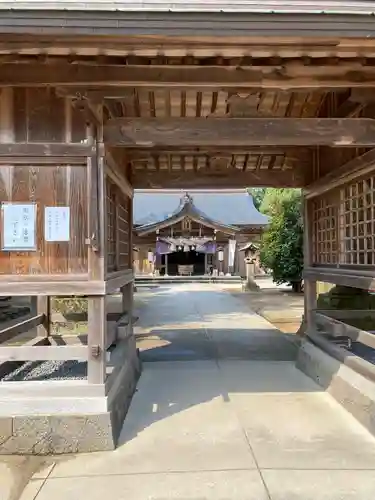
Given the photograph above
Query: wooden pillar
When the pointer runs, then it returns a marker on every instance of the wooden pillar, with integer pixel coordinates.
(97, 254)
(166, 265)
(6, 115)
(127, 293)
(41, 305)
(310, 288)
(97, 334)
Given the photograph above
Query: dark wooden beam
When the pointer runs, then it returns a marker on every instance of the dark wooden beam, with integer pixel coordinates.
(239, 132)
(99, 94)
(287, 75)
(229, 178)
(363, 164)
(28, 149)
(146, 154)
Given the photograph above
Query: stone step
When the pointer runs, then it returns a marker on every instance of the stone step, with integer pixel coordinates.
(186, 279)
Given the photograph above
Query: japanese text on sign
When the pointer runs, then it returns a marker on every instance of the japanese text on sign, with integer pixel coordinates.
(57, 223)
(18, 231)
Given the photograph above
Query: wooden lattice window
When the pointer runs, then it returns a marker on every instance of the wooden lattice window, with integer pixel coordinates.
(357, 223)
(117, 237)
(325, 249)
(111, 226)
(123, 210)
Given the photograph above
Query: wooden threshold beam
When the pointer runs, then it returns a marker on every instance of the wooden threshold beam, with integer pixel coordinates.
(46, 287)
(287, 75)
(239, 132)
(353, 277)
(118, 279)
(41, 353)
(351, 170)
(229, 178)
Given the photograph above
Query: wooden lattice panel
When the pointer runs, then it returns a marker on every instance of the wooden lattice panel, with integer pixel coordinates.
(357, 223)
(117, 237)
(325, 230)
(111, 226)
(123, 229)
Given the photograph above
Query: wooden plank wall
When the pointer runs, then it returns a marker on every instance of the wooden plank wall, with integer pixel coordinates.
(38, 115)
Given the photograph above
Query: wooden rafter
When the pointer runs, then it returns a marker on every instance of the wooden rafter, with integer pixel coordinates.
(240, 132)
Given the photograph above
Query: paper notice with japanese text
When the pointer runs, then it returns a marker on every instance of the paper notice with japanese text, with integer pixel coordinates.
(19, 226)
(57, 223)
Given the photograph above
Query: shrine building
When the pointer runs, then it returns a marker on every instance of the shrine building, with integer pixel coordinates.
(195, 232)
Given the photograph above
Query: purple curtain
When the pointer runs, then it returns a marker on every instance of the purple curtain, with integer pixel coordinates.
(209, 247)
(162, 247)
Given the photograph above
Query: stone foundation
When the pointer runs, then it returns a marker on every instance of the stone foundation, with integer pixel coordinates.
(57, 433)
(353, 391)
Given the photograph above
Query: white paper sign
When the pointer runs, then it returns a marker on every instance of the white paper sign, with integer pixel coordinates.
(18, 226)
(231, 252)
(57, 223)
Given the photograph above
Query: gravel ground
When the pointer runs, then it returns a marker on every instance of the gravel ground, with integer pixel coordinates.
(9, 312)
(48, 370)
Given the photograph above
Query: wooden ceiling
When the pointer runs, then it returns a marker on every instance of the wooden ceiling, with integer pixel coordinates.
(164, 104)
(204, 113)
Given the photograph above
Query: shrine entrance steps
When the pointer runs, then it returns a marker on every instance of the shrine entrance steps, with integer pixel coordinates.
(221, 412)
(144, 279)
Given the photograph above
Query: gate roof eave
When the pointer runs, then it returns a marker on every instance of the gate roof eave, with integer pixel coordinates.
(337, 20)
(357, 7)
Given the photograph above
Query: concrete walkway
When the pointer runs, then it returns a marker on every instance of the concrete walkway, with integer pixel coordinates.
(220, 413)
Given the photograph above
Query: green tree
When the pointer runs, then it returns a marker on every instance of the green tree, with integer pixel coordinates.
(282, 243)
(258, 195)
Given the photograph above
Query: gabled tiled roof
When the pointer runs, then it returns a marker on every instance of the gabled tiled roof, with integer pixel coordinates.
(228, 207)
(248, 6)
